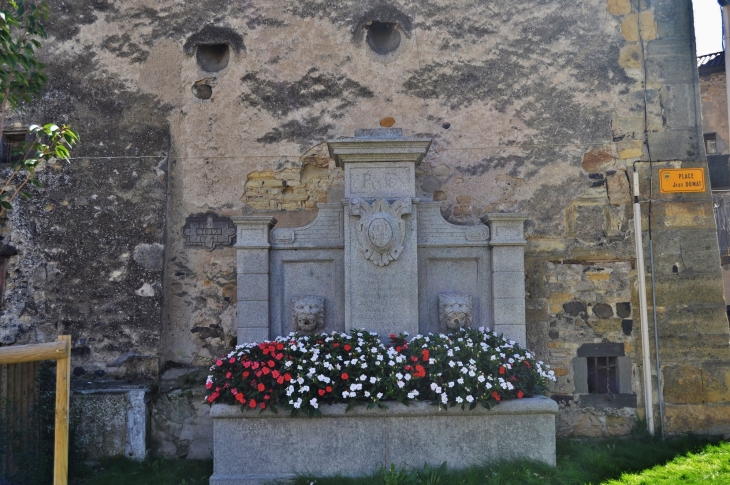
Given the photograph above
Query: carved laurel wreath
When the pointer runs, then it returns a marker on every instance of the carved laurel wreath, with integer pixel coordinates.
(381, 229)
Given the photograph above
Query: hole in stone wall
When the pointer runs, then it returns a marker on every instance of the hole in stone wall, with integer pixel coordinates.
(383, 37)
(446, 126)
(202, 91)
(213, 57)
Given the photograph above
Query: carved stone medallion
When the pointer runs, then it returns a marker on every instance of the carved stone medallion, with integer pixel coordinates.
(455, 311)
(381, 229)
(308, 313)
(209, 231)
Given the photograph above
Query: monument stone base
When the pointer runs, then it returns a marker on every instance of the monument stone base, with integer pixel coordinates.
(253, 448)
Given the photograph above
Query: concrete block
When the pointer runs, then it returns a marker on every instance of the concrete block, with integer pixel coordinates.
(252, 334)
(518, 333)
(405, 435)
(253, 287)
(682, 384)
(625, 374)
(508, 259)
(508, 311)
(251, 261)
(252, 314)
(508, 285)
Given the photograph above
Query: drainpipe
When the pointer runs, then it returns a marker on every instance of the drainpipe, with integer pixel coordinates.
(648, 399)
(725, 4)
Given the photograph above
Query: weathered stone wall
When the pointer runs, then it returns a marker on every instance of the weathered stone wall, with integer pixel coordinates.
(533, 106)
(713, 93)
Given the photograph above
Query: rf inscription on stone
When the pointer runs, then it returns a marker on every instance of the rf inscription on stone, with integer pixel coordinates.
(209, 231)
(381, 229)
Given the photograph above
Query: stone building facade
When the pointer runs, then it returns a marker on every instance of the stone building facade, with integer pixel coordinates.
(191, 113)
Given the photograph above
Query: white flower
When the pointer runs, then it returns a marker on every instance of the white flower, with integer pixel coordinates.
(433, 386)
(401, 384)
(472, 373)
(288, 364)
(451, 363)
(313, 402)
(411, 395)
(407, 377)
(459, 399)
(290, 390)
(363, 377)
(304, 389)
(470, 398)
(464, 370)
(300, 380)
(399, 376)
(364, 365)
(379, 395)
(432, 361)
(298, 403)
(450, 353)
(481, 378)
(451, 384)
(488, 385)
(391, 363)
(367, 393)
(444, 398)
(373, 380)
(460, 380)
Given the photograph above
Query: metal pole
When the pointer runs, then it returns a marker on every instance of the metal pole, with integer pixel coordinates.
(648, 400)
(656, 342)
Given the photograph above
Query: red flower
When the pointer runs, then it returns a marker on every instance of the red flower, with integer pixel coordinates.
(527, 364)
(321, 392)
(271, 363)
(275, 374)
(263, 405)
(420, 371)
(287, 377)
(213, 397)
(520, 394)
(328, 389)
(261, 387)
(240, 398)
(408, 367)
(246, 374)
(398, 348)
(232, 360)
(255, 365)
(280, 380)
(279, 356)
(252, 403)
(258, 373)
(219, 363)
(425, 355)
(208, 385)
(501, 371)
(496, 396)
(336, 344)
(266, 371)
(247, 364)
(279, 346)
(228, 375)
(414, 358)
(267, 397)
(344, 376)
(347, 347)
(392, 335)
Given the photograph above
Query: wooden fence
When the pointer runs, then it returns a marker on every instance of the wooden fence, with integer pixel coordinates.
(20, 391)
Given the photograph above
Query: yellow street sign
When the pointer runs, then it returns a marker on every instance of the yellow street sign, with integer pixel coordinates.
(673, 180)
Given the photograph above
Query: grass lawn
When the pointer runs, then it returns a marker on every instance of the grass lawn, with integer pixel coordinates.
(611, 462)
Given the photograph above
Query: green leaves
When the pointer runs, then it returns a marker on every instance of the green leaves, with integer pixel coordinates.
(48, 141)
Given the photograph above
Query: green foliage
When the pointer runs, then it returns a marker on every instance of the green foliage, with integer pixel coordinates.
(49, 141)
(22, 78)
(579, 462)
(21, 29)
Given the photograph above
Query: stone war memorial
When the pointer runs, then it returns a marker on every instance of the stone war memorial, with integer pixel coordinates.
(383, 260)
(253, 168)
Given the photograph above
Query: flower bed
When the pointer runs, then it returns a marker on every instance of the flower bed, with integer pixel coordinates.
(467, 368)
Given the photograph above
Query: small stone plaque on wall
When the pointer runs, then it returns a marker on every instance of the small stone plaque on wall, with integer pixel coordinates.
(208, 231)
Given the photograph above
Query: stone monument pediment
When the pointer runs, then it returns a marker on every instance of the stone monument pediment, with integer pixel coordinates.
(382, 259)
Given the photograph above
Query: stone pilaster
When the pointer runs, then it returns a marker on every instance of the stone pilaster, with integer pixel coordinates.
(252, 268)
(508, 274)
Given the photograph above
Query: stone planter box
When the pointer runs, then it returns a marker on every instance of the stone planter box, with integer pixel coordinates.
(251, 448)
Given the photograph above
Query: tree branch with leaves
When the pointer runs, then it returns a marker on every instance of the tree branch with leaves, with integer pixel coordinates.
(22, 78)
